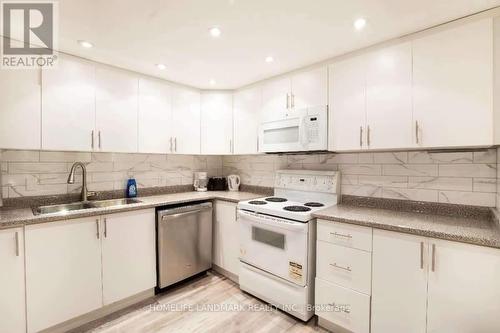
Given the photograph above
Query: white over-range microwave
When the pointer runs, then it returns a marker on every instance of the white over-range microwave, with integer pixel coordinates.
(306, 130)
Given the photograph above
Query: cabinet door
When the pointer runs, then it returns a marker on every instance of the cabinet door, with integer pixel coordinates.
(216, 123)
(20, 115)
(347, 105)
(63, 271)
(155, 116)
(399, 283)
(12, 301)
(186, 117)
(275, 99)
(453, 90)
(68, 105)
(116, 110)
(128, 254)
(247, 104)
(389, 97)
(464, 292)
(310, 88)
(226, 246)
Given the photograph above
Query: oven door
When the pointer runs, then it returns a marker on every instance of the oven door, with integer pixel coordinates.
(275, 245)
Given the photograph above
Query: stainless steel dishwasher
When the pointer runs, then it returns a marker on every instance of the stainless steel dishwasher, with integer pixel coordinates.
(184, 242)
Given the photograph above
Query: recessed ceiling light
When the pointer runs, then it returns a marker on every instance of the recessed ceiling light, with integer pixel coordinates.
(85, 44)
(215, 32)
(212, 82)
(161, 66)
(269, 59)
(360, 23)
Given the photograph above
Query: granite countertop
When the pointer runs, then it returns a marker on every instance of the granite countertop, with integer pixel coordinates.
(473, 230)
(18, 217)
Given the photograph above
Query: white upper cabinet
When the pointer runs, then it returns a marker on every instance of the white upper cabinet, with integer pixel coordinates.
(12, 288)
(186, 121)
(68, 105)
(464, 295)
(63, 271)
(216, 123)
(155, 116)
(347, 112)
(389, 97)
(453, 86)
(116, 110)
(20, 114)
(275, 99)
(246, 112)
(310, 88)
(128, 254)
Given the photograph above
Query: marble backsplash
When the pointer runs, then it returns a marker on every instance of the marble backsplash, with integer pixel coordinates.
(38, 173)
(466, 177)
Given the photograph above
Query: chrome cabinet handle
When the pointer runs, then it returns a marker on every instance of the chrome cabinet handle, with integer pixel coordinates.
(341, 235)
(99, 139)
(416, 132)
(97, 227)
(92, 139)
(293, 100)
(171, 144)
(105, 228)
(17, 244)
(433, 257)
(421, 255)
(361, 136)
(175, 144)
(287, 101)
(257, 143)
(341, 267)
(368, 135)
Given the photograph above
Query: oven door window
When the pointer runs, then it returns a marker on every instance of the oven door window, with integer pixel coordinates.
(268, 237)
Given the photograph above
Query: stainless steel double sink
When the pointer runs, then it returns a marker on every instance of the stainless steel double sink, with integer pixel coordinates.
(76, 206)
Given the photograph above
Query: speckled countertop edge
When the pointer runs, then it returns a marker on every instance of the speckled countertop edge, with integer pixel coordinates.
(19, 217)
(482, 232)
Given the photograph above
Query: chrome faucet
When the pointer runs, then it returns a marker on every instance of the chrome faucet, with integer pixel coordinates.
(71, 180)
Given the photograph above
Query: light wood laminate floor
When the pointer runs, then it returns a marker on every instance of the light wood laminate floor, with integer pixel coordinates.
(192, 314)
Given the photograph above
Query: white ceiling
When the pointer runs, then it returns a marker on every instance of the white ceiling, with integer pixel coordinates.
(139, 34)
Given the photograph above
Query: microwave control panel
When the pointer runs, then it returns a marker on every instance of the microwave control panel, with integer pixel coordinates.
(312, 127)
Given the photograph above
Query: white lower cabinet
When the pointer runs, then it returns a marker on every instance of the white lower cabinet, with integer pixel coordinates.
(128, 254)
(226, 247)
(65, 275)
(434, 286)
(63, 271)
(12, 292)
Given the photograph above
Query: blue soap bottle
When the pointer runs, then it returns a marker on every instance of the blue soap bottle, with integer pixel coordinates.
(131, 188)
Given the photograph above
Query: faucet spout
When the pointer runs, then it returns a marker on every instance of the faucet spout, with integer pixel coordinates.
(71, 178)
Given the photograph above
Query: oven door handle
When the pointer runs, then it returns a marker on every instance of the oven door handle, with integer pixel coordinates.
(272, 221)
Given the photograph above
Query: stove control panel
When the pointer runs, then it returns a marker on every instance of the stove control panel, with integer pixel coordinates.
(304, 180)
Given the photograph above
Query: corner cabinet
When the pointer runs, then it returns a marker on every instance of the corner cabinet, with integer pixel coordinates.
(217, 123)
(12, 290)
(435, 286)
(80, 265)
(186, 117)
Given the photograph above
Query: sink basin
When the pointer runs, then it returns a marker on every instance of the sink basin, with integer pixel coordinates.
(64, 208)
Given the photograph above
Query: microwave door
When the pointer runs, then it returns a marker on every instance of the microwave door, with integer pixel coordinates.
(281, 136)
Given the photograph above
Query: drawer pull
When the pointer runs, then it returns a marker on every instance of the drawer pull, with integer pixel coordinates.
(348, 269)
(341, 235)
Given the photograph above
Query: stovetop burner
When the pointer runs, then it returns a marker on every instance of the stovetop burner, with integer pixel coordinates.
(314, 204)
(275, 199)
(297, 208)
(257, 202)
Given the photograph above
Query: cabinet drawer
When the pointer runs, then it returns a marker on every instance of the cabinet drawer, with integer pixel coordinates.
(344, 234)
(343, 307)
(347, 267)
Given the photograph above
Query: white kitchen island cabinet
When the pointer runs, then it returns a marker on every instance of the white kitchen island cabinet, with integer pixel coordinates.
(12, 289)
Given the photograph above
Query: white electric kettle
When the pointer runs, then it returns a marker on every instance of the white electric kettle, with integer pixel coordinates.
(233, 182)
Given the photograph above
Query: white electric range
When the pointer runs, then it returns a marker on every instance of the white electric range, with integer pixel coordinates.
(278, 237)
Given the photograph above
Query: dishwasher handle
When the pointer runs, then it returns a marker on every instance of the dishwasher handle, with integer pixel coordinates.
(175, 216)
